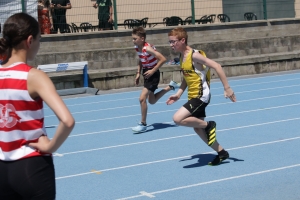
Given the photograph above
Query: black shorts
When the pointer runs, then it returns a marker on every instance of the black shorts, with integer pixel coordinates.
(105, 24)
(152, 82)
(196, 107)
(30, 178)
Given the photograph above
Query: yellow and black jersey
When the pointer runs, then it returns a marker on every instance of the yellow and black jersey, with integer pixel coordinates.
(197, 81)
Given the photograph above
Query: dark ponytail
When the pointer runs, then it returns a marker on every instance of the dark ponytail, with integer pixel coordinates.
(3, 45)
(17, 28)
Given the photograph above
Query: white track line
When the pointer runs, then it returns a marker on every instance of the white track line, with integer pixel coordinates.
(96, 102)
(175, 137)
(264, 89)
(173, 110)
(129, 144)
(264, 75)
(241, 78)
(112, 130)
(251, 84)
(160, 102)
(176, 158)
(213, 181)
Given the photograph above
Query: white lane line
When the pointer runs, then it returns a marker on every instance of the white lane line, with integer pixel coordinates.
(215, 181)
(96, 132)
(176, 158)
(102, 109)
(251, 84)
(58, 154)
(143, 193)
(129, 144)
(95, 102)
(264, 89)
(256, 110)
(173, 110)
(88, 103)
(175, 137)
(160, 102)
(263, 76)
(241, 78)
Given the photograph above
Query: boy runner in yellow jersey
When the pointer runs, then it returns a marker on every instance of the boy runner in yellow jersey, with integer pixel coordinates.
(196, 71)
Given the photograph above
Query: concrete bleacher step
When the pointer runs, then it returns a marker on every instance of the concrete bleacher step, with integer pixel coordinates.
(114, 78)
(75, 91)
(241, 47)
(124, 57)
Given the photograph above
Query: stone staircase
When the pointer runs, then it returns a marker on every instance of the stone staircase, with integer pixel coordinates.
(242, 48)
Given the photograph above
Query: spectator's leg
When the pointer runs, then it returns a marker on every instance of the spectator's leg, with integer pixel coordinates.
(107, 24)
(59, 24)
(63, 24)
(55, 26)
(101, 25)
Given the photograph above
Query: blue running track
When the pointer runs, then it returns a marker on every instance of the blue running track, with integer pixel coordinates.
(104, 160)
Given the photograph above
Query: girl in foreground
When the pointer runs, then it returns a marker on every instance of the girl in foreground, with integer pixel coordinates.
(26, 164)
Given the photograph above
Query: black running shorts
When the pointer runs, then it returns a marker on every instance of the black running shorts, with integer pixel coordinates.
(105, 24)
(196, 107)
(152, 82)
(30, 178)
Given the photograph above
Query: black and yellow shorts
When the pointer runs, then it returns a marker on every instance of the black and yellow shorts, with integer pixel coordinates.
(196, 107)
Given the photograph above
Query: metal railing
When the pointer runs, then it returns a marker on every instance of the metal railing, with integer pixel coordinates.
(158, 13)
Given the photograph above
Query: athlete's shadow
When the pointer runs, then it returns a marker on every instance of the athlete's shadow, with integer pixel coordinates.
(157, 126)
(53, 126)
(204, 159)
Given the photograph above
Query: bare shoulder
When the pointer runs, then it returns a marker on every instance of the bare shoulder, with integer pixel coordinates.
(37, 74)
(149, 49)
(153, 52)
(198, 56)
(39, 84)
(38, 79)
(199, 59)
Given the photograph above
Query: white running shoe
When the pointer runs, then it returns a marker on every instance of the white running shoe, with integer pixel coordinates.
(173, 85)
(140, 128)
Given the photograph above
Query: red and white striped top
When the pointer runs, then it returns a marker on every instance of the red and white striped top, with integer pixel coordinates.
(21, 117)
(148, 60)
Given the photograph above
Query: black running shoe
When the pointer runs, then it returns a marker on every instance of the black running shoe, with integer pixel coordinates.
(211, 133)
(219, 158)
